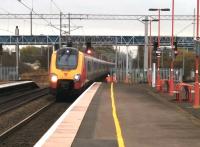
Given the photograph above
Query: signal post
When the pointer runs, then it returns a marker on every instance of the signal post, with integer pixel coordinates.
(158, 51)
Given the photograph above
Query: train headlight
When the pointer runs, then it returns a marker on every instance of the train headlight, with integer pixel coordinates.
(77, 77)
(54, 78)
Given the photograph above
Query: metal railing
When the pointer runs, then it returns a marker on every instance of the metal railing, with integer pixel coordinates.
(8, 73)
(140, 76)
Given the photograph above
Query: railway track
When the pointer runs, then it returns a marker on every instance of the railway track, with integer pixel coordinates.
(28, 131)
(12, 129)
(19, 129)
(13, 101)
(17, 89)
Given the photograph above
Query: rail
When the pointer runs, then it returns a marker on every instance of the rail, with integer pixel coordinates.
(24, 121)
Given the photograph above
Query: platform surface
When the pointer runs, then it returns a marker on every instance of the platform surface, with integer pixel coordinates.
(4, 85)
(146, 120)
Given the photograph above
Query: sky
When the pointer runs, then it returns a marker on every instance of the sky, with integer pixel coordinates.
(96, 27)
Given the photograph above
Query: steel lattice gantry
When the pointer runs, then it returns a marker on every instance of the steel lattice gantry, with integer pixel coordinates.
(93, 16)
(95, 40)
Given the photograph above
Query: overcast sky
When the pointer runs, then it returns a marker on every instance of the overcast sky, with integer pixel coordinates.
(91, 27)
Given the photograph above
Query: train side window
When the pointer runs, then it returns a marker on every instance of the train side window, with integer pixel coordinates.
(92, 65)
(95, 66)
(86, 65)
(89, 66)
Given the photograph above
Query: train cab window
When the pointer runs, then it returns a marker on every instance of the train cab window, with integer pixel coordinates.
(67, 58)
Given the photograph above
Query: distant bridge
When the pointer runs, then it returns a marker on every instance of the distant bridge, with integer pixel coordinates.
(186, 42)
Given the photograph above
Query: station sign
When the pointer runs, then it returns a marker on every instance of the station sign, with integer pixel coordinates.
(158, 52)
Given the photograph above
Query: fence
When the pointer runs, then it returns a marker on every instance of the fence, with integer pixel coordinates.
(140, 76)
(8, 73)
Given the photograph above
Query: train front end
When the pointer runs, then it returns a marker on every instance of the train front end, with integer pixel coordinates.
(65, 70)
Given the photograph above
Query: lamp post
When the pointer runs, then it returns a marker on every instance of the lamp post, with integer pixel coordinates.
(17, 52)
(158, 58)
(196, 85)
(149, 72)
(171, 81)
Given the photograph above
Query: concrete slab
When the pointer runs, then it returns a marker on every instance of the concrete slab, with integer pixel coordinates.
(149, 121)
(146, 120)
(97, 128)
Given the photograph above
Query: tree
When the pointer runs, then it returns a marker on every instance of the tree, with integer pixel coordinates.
(31, 54)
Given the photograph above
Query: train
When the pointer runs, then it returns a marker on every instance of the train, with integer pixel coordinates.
(71, 70)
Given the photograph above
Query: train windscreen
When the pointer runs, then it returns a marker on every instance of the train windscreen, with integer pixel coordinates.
(67, 58)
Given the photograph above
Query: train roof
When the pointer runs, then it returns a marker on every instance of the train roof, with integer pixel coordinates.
(86, 55)
(68, 48)
(97, 59)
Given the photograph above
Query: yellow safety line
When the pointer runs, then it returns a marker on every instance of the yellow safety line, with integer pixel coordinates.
(116, 120)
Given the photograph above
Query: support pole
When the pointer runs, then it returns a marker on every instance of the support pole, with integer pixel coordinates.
(183, 64)
(194, 25)
(120, 65)
(158, 58)
(196, 86)
(145, 45)
(116, 59)
(31, 23)
(171, 82)
(17, 53)
(150, 55)
(60, 38)
(154, 75)
(127, 74)
(69, 23)
(48, 58)
(138, 59)
(130, 67)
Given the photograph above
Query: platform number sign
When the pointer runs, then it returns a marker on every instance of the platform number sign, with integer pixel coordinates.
(197, 47)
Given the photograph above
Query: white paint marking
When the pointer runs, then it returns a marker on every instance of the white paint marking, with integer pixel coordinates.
(59, 121)
(14, 84)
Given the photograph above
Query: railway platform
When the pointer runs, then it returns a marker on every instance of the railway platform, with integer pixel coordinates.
(9, 88)
(10, 84)
(123, 115)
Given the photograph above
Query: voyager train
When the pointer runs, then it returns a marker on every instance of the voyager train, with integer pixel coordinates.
(71, 70)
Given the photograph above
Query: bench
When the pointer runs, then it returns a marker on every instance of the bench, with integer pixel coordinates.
(188, 88)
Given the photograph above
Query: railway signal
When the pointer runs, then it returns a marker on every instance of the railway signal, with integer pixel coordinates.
(156, 49)
(89, 49)
(174, 50)
(155, 46)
